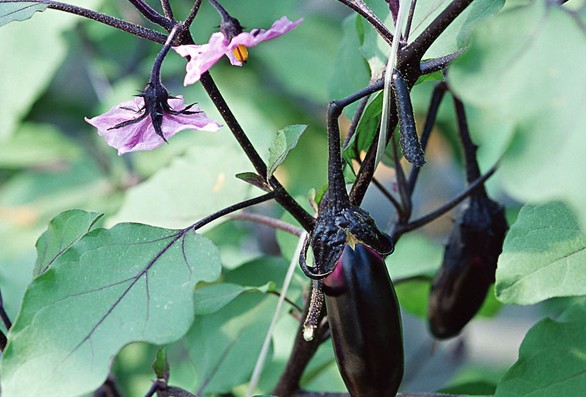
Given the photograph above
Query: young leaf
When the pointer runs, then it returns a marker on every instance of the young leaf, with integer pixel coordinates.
(161, 365)
(366, 130)
(254, 179)
(543, 256)
(284, 142)
(19, 11)
(63, 231)
(113, 287)
(551, 360)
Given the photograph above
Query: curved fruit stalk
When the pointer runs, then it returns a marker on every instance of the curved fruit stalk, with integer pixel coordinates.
(470, 259)
(365, 323)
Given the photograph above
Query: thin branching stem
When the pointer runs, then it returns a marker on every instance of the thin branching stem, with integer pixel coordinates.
(402, 229)
(405, 197)
(281, 195)
(230, 209)
(355, 120)
(362, 9)
(167, 10)
(152, 15)
(289, 301)
(409, 20)
(156, 70)
(3, 315)
(271, 222)
(437, 64)
(192, 14)
(388, 195)
(468, 147)
(436, 99)
(119, 24)
(415, 51)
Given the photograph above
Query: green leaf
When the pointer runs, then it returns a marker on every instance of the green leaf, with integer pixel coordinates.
(455, 36)
(543, 256)
(254, 179)
(63, 231)
(373, 47)
(366, 130)
(32, 62)
(351, 71)
(19, 11)
(211, 298)
(190, 188)
(113, 287)
(285, 140)
(415, 255)
(36, 145)
(517, 71)
(224, 345)
(161, 364)
(551, 360)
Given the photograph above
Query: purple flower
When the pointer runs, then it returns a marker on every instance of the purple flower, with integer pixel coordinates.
(203, 57)
(128, 127)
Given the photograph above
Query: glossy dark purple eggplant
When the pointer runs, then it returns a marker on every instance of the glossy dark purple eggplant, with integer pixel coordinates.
(468, 269)
(365, 323)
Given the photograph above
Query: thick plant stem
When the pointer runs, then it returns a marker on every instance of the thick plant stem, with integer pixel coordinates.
(281, 195)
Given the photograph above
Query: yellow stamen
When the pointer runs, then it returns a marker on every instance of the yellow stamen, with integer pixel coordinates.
(241, 53)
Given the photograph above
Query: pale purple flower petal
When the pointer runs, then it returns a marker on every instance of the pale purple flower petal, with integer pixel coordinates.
(256, 36)
(203, 57)
(141, 135)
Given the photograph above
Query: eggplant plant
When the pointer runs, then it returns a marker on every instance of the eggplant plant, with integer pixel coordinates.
(160, 254)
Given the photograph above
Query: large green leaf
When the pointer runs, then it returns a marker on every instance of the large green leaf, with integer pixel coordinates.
(63, 231)
(517, 70)
(209, 299)
(223, 346)
(35, 145)
(552, 359)
(543, 256)
(191, 187)
(10, 12)
(414, 255)
(113, 287)
(351, 71)
(454, 38)
(456, 35)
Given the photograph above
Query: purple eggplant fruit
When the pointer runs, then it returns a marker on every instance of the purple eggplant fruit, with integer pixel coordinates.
(468, 268)
(365, 323)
